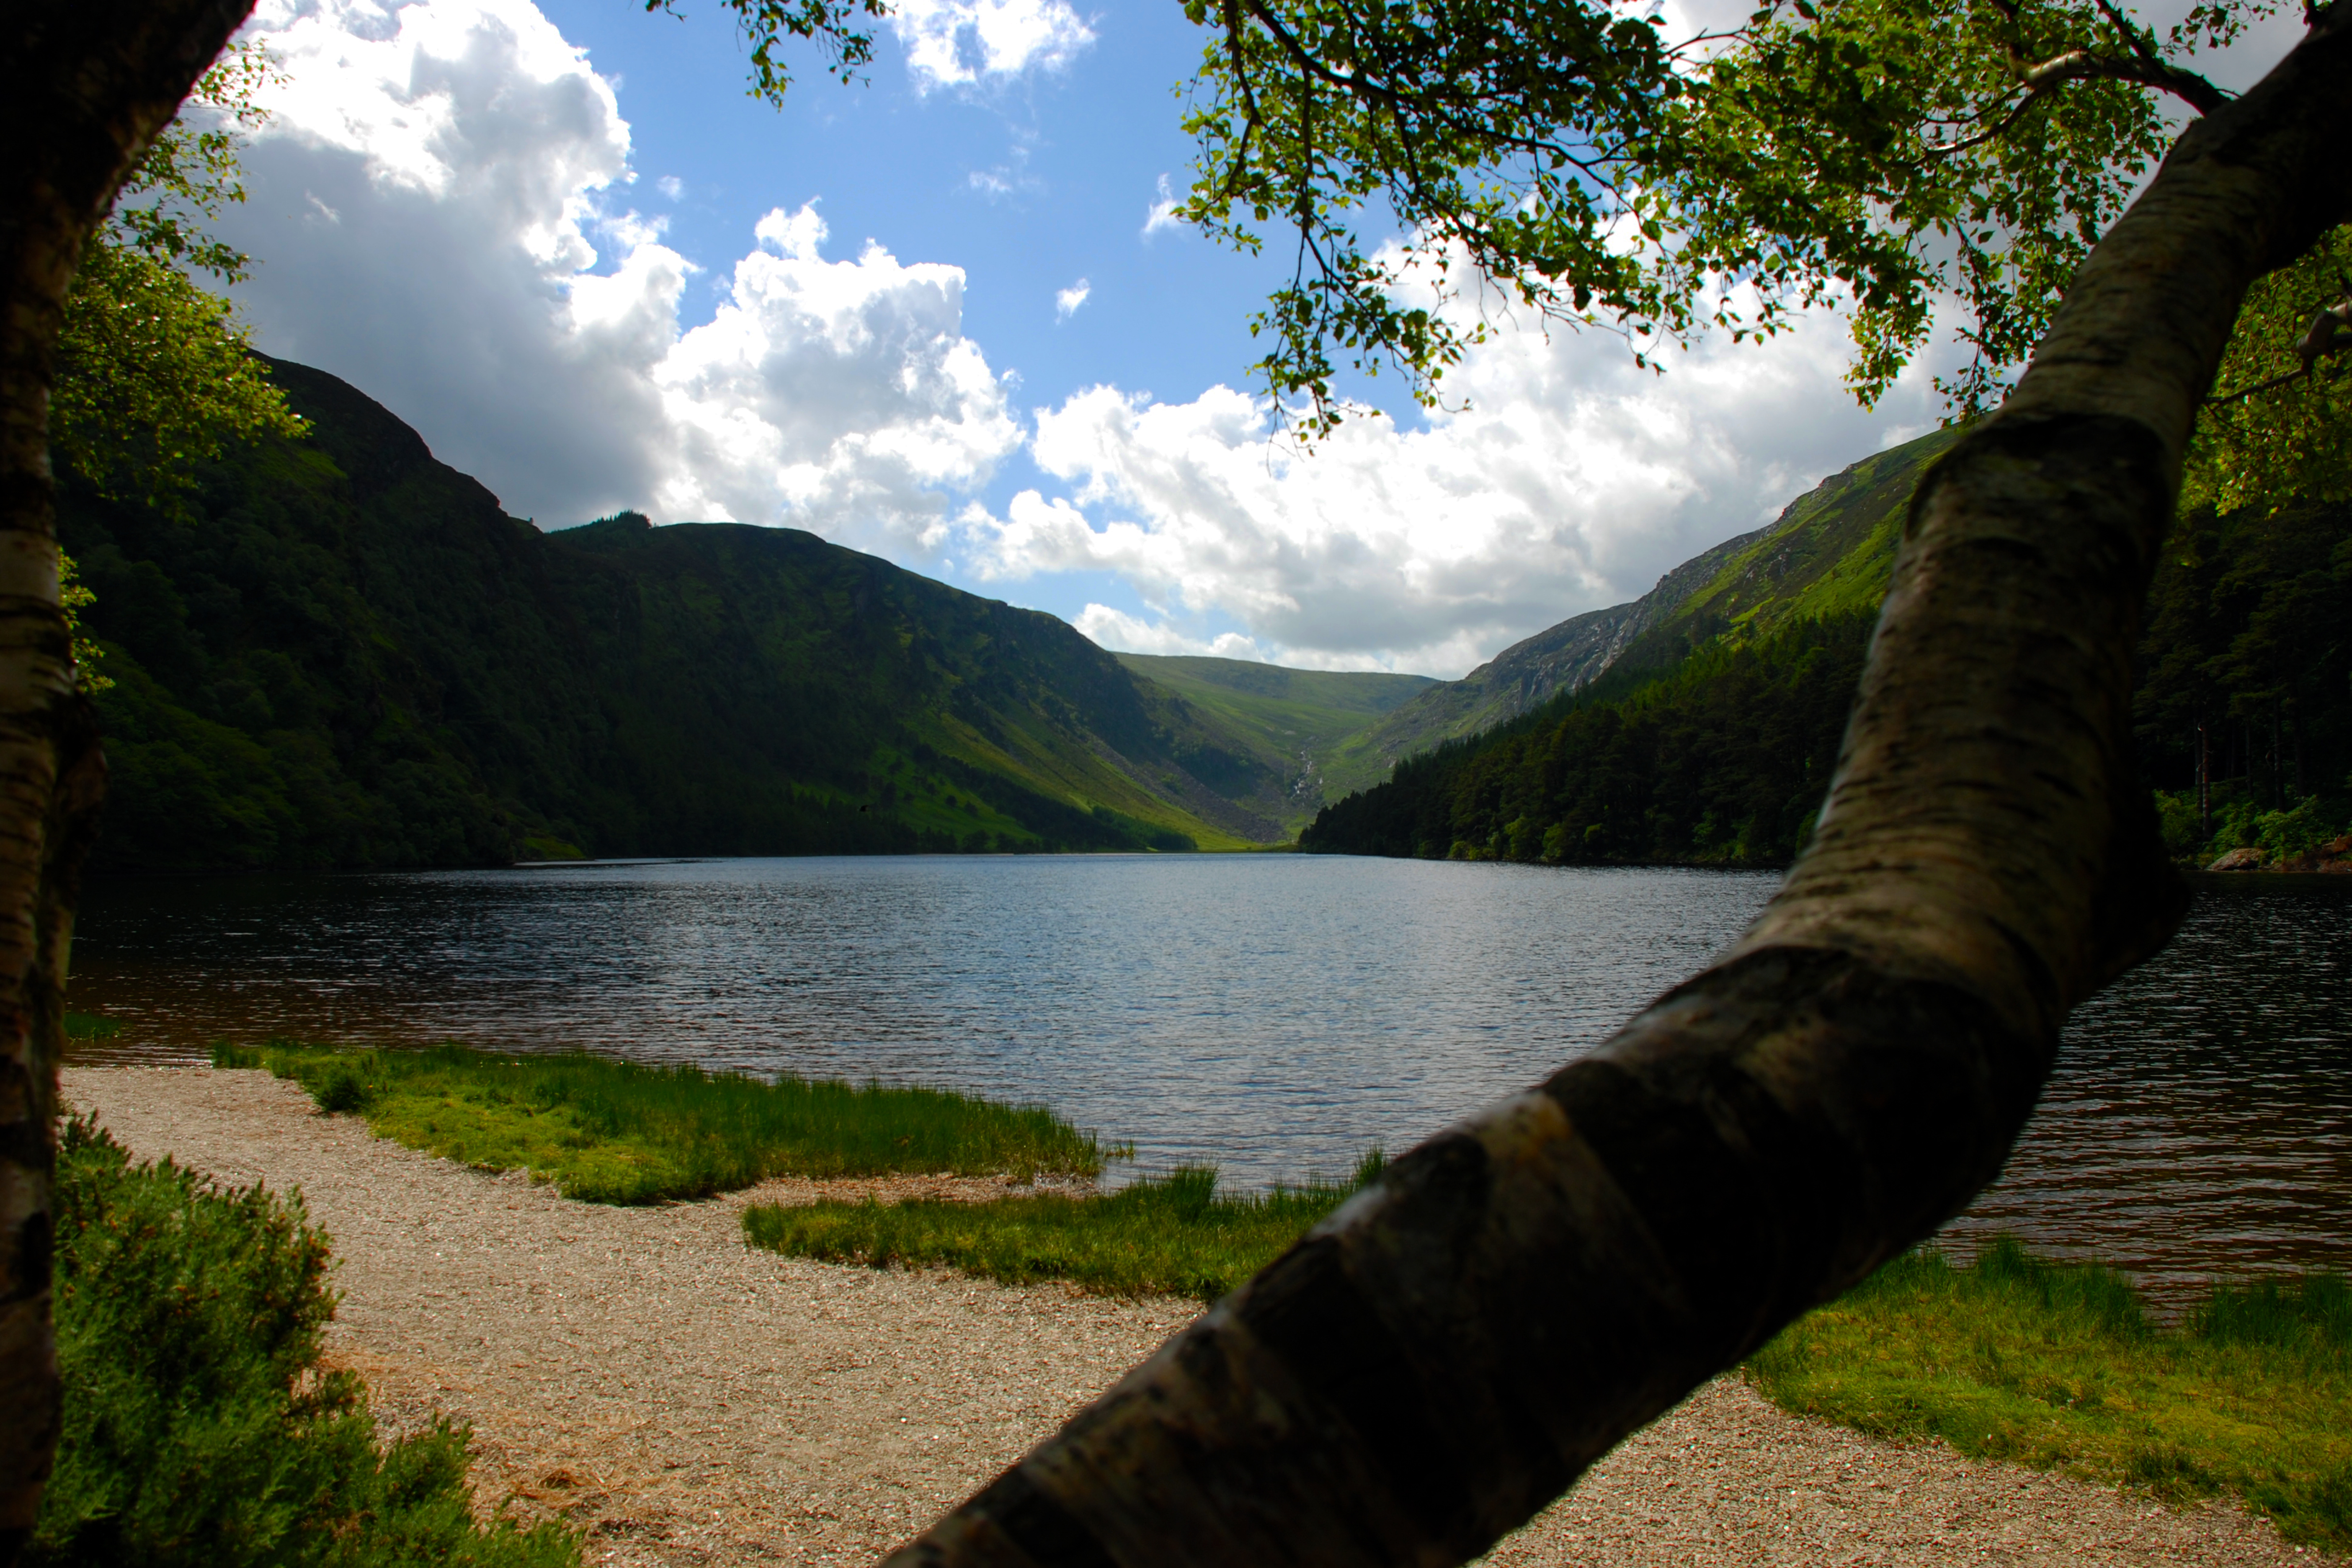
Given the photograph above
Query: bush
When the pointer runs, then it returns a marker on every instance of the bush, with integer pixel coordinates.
(199, 1426)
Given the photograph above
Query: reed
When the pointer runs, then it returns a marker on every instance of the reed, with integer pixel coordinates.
(1167, 1236)
(619, 1132)
(2060, 1367)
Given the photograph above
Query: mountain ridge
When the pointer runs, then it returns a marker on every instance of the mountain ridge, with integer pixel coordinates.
(1829, 540)
(352, 656)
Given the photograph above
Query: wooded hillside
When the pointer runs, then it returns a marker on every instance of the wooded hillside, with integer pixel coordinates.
(350, 655)
(1710, 736)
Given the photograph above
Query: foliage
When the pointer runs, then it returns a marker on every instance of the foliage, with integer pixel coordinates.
(200, 1427)
(1586, 168)
(2247, 655)
(155, 374)
(1723, 762)
(357, 658)
(74, 596)
(2059, 1367)
(2271, 438)
(834, 26)
(618, 1132)
(1168, 1236)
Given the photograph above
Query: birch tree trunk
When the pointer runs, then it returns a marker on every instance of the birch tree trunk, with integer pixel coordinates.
(1444, 1354)
(85, 86)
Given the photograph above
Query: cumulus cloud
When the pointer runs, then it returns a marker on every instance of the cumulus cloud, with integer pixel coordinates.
(1068, 300)
(434, 200)
(962, 43)
(1573, 481)
(840, 391)
(441, 207)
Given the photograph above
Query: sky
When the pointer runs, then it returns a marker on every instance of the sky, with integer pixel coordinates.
(944, 316)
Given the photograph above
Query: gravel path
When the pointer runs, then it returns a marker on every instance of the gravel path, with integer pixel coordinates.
(696, 1401)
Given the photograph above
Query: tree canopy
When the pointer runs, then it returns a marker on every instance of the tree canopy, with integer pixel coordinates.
(1566, 160)
(156, 372)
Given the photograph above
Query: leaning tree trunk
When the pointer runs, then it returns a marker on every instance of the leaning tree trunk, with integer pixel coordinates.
(1444, 1354)
(85, 88)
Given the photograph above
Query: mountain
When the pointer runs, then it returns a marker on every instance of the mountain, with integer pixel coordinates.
(1827, 553)
(1699, 725)
(1294, 721)
(352, 656)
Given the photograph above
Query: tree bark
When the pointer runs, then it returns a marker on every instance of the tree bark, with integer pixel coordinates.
(85, 88)
(1444, 1354)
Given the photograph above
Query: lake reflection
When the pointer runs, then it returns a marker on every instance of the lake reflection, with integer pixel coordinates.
(1273, 1015)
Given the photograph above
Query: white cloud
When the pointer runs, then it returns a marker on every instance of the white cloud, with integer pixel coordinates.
(429, 201)
(1132, 633)
(839, 395)
(1573, 482)
(1068, 300)
(671, 187)
(961, 43)
(1162, 215)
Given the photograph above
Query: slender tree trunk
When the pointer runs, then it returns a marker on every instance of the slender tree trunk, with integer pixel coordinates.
(1444, 1354)
(2204, 783)
(85, 85)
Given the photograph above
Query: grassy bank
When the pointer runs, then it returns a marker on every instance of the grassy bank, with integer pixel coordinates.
(613, 1132)
(2060, 1367)
(199, 1426)
(1172, 1236)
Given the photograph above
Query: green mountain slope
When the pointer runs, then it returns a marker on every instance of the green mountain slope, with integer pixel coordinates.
(1294, 721)
(1827, 554)
(352, 656)
(1709, 734)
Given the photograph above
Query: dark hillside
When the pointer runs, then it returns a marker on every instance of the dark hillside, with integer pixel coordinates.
(1826, 555)
(352, 656)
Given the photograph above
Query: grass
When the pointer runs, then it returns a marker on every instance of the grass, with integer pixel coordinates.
(2060, 1367)
(92, 1027)
(1171, 1235)
(617, 1132)
(199, 1427)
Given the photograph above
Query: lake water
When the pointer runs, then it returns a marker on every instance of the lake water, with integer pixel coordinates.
(1273, 1014)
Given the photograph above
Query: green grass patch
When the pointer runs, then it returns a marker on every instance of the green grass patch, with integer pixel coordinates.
(92, 1027)
(618, 1132)
(2060, 1367)
(199, 1427)
(1167, 1236)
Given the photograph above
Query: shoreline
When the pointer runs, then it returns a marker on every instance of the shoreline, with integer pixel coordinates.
(688, 1399)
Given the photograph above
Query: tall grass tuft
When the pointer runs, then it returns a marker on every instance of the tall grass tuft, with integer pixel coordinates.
(1166, 1236)
(2059, 1366)
(199, 1427)
(618, 1132)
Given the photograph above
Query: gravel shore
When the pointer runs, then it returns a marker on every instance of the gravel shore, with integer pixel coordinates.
(695, 1402)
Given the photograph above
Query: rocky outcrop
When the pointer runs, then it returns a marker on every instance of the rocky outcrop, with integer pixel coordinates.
(2333, 858)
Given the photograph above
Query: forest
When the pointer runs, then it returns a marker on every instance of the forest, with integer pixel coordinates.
(1721, 758)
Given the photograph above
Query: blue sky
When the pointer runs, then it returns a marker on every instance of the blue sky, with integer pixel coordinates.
(562, 242)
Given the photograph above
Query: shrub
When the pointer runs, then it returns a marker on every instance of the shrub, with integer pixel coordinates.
(199, 1426)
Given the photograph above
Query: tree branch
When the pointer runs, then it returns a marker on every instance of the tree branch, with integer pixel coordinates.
(1446, 1353)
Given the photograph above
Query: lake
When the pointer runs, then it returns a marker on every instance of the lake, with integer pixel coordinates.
(1273, 1014)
